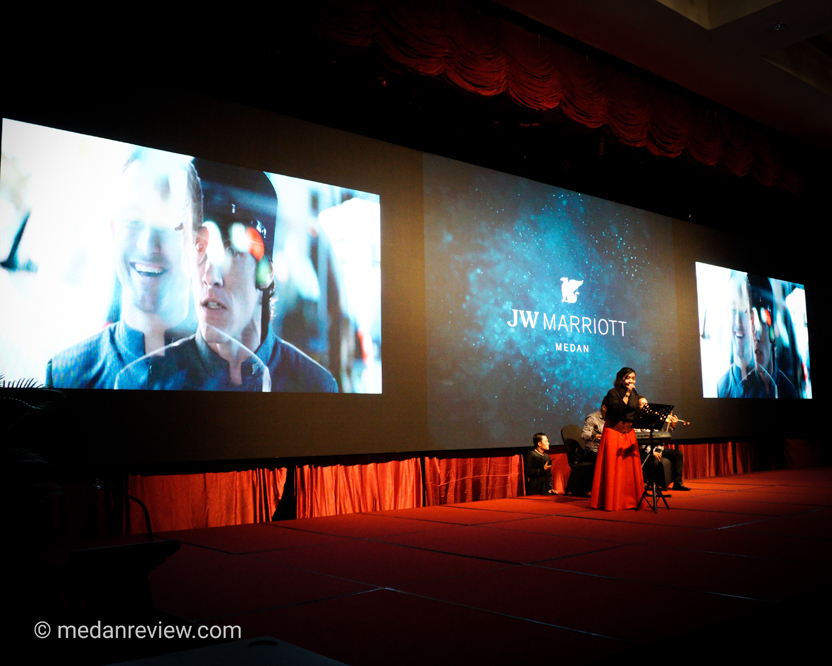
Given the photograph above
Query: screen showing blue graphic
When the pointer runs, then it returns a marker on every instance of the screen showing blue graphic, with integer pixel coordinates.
(536, 296)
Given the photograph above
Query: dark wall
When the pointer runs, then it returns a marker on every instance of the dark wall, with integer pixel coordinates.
(147, 426)
(738, 224)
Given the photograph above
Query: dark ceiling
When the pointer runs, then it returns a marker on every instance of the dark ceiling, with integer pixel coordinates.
(260, 54)
(765, 59)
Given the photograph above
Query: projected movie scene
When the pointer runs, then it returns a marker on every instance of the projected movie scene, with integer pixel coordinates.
(753, 335)
(126, 267)
(536, 297)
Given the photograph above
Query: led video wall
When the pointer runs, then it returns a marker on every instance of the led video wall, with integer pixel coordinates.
(132, 268)
(536, 297)
(232, 283)
(753, 335)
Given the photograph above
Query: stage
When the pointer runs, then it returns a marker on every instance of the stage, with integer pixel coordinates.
(734, 569)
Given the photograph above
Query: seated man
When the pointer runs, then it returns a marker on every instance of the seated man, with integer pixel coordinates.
(539, 467)
(591, 434)
(658, 451)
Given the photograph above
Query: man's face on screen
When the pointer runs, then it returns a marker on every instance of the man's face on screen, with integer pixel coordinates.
(764, 349)
(742, 328)
(147, 231)
(225, 295)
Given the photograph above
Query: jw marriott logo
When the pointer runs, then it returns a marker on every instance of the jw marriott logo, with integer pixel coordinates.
(569, 290)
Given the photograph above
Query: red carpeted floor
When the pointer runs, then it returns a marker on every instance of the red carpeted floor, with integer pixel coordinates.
(739, 566)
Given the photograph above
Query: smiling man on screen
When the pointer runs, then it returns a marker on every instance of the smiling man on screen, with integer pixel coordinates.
(155, 202)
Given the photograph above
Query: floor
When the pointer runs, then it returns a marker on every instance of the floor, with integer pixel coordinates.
(523, 579)
(736, 569)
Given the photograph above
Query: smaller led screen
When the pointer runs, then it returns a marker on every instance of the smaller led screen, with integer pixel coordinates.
(133, 268)
(753, 335)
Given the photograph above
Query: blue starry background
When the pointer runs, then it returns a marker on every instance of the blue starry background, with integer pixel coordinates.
(494, 243)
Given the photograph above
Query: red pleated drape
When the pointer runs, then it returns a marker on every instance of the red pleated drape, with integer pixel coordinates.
(804, 452)
(726, 458)
(560, 471)
(488, 56)
(450, 480)
(193, 501)
(329, 490)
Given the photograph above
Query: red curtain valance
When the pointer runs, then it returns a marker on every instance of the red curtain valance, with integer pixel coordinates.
(489, 56)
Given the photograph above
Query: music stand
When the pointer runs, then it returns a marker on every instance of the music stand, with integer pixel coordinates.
(652, 418)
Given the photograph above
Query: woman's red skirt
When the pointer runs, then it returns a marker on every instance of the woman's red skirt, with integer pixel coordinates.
(618, 482)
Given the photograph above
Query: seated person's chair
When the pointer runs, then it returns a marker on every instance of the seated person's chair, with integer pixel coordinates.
(580, 475)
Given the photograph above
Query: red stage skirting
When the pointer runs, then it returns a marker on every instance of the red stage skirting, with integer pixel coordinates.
(193, 501)
(455, 480)
(329, 490)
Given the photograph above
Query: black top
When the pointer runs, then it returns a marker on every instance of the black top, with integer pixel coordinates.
(617, 409)
(538, 479)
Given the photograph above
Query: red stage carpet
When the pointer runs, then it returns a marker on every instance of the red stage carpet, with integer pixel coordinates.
(736, 568)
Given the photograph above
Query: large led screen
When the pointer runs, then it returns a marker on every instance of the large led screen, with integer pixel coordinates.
(753, 335)
(536, 297)
(132, 268)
